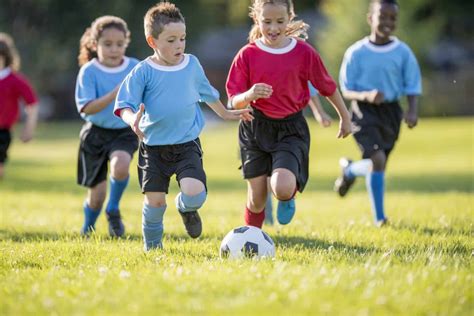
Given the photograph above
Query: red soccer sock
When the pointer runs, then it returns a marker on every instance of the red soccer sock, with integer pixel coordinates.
(254, 219)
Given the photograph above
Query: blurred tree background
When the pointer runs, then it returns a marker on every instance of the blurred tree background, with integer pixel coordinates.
(47, 34)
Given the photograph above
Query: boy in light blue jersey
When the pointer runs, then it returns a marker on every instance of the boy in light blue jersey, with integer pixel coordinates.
(105, 139)
(375, 73)
(159, 100)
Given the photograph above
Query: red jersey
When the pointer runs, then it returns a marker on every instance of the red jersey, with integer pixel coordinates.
(13, 87)
(287, 70)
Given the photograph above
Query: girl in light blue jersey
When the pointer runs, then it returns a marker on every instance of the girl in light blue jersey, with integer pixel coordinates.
(105, 139)
(375, 73)
(159, 100)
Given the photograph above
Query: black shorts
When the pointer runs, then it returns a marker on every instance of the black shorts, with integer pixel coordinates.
(5, 139)
(376, 127)
(96, 145)
(267, 144)
(156, 165)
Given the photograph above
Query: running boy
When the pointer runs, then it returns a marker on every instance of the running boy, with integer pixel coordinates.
(375, 73)
(104, 137)
(271, 74)
(159, 100)
(13, 88)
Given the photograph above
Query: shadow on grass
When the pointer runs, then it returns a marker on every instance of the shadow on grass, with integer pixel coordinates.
(431, 231)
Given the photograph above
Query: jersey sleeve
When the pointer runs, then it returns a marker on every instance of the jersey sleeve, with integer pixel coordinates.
(130, 94)
(348, 72)
(26, 91)
(319, 76)
(85, 89)
(238, 77)
(411, 75)
(207, 93)
(312, 90)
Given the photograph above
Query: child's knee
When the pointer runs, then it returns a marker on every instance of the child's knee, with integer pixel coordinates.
(188, 203)
(378, 160)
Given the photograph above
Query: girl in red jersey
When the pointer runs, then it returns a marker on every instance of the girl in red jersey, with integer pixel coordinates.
(13, 88)
(271, 74)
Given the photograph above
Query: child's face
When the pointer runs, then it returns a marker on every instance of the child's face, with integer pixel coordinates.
(272, 21)
(383, 19)
(111, 47)
(170, 44)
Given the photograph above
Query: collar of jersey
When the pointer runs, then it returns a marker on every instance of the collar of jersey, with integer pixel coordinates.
(112, 70)
(382, 48)
(277, 51)
(177, 67)
(5, 73)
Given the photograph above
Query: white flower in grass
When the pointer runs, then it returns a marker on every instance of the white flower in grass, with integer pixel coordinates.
(102, 270)
(124, 274)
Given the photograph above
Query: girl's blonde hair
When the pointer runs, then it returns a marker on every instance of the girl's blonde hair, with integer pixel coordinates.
(294, 28)
(91, 36)
(9, 52)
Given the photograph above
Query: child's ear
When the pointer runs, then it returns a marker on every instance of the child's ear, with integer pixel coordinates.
(369, 18)
(151, 41)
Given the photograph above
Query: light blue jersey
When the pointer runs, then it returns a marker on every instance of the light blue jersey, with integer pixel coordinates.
(170, 95)
(312, 90)
(96, 80)
(391, 69)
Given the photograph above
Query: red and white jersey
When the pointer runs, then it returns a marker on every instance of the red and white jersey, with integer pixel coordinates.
(286, 69)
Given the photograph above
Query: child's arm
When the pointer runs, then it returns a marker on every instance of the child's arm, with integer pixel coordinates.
(133, 119)
(373, 96)
(30, 125)
(318, 112)
(97, 105)
(220, 110)
(345, 119)
(258, 90)
(411, 115)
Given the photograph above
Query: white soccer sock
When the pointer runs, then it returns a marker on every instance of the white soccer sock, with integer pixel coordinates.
(360, 168)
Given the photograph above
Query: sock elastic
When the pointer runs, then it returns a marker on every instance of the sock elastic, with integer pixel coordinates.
(254, 219)
(359, 168)
(190, 203)
(152, 226)
(116, 190)
(90, 217)
(375, 183)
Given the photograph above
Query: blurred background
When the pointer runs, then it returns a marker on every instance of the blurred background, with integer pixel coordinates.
(440, 32)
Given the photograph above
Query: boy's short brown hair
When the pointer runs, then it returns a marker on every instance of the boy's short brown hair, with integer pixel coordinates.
(159, 15)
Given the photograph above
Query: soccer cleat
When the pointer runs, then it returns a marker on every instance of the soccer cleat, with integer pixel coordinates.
(382, 223)
(116, 227)
(192, 222)
(286, 211)
(344, 183)
(87, 230)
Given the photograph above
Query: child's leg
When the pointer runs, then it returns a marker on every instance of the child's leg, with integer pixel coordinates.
(119, 176)
(192, 196)
(256, 200)
(154, 207)
(93, 205)
(375, 183)
(269, 205)
(2, 170)
(283, 183)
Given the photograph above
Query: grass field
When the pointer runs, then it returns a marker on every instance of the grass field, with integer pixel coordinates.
(330, 259)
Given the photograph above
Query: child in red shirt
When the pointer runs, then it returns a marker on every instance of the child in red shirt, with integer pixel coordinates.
(13, 88)
(271, 74)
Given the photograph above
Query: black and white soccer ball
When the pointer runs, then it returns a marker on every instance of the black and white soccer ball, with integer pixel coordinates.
(247, 242)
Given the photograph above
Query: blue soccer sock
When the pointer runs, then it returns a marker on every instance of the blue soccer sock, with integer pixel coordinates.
(375, 183)
(116, 190)
(90, 217)
(358, 168)
(152, 226)
(269, 210)
(190, 203)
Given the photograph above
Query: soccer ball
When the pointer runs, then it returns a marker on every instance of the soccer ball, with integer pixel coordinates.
(247, 242)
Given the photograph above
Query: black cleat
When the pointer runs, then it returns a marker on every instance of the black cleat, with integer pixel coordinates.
(116, 227)
(193, 223)
(343, 183)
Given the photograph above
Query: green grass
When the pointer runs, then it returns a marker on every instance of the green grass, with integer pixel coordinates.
(329, 260)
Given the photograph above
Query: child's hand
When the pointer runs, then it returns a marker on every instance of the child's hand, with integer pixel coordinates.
(26, 134)
(411, 118)
(136, 121)
(259, 91)
(345, 128)
(375, 97)
(244, 114)
(323, 119)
